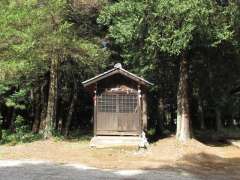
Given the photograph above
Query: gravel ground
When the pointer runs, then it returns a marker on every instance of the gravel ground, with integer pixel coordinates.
(164, 153)
(41, 170)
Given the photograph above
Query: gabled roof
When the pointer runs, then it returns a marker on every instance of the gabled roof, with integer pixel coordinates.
(116, 70)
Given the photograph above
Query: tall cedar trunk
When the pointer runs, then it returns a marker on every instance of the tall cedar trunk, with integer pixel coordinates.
(172, 114)
(60, 117)
(1, 124)
(52, 100)
(183, 109)
(201, 112)
(201, 116)
(43, 106)
(60, 124)
(0, 132)
(70, 113)
(218, 119)
(179, 112)
(162, 117)
(37, 112)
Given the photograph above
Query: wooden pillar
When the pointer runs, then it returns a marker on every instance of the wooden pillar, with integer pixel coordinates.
(144, 112)
(95, 111)
(140, 110)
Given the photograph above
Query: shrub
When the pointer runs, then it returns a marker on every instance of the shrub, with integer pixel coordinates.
(23, 133)
(151, 132)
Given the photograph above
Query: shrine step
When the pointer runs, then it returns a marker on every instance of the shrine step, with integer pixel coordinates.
(113, 141)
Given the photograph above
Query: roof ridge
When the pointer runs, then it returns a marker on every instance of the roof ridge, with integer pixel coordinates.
(94, 79)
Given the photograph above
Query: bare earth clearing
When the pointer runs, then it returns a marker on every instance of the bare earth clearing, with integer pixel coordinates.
(166, 154)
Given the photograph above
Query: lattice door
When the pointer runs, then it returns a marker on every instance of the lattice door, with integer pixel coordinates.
(117, 113)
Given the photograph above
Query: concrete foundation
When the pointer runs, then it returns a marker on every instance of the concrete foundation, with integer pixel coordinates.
(113, 141)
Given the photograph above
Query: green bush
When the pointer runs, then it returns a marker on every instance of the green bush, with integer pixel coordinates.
(151, 132)
(23, 133)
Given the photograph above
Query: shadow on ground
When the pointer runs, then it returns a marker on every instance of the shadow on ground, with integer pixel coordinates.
(207, 166)
(214, 142)
(217, 138)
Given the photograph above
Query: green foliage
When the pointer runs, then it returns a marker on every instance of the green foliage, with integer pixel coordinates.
(18, 38)
(151, 132)
(17, 100)
(27, 44)
(13, 139)
(23, 133)
(167, 26)
(20, 125)
(3, 89)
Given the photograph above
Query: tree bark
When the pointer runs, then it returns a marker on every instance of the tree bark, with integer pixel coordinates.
(60, 125)
(12, 120)
(183, 108)
(37, 112)
(70, 113)
(43, 107)
(7, 119)
(161, 114)
(179, 118)
(201, 112)
(0, 132)
(1, 124)
(52, 99)
(218, 119)
(60, 116)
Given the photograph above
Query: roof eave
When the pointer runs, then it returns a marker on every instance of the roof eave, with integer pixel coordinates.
(117, 70)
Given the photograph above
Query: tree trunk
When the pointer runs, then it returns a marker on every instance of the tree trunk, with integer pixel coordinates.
(60, 117)
(1, 124)
(161, 114)
(178, 119)
(37, 112)
(201, 113)
(12, 123)
(60, 125)
(52, 99)
(43, 106)
(70, 112)
(183, 109)
(7, 119)
(0, 132)
(218, 119)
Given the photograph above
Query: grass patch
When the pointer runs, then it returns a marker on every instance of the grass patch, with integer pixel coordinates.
(80, 135)
(24, 135)
(75, 136)
(18, 138)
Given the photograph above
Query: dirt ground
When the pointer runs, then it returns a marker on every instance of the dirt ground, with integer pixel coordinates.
(164, 154)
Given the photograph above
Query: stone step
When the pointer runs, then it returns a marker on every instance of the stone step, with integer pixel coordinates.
(111, 141)
(235, 142)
